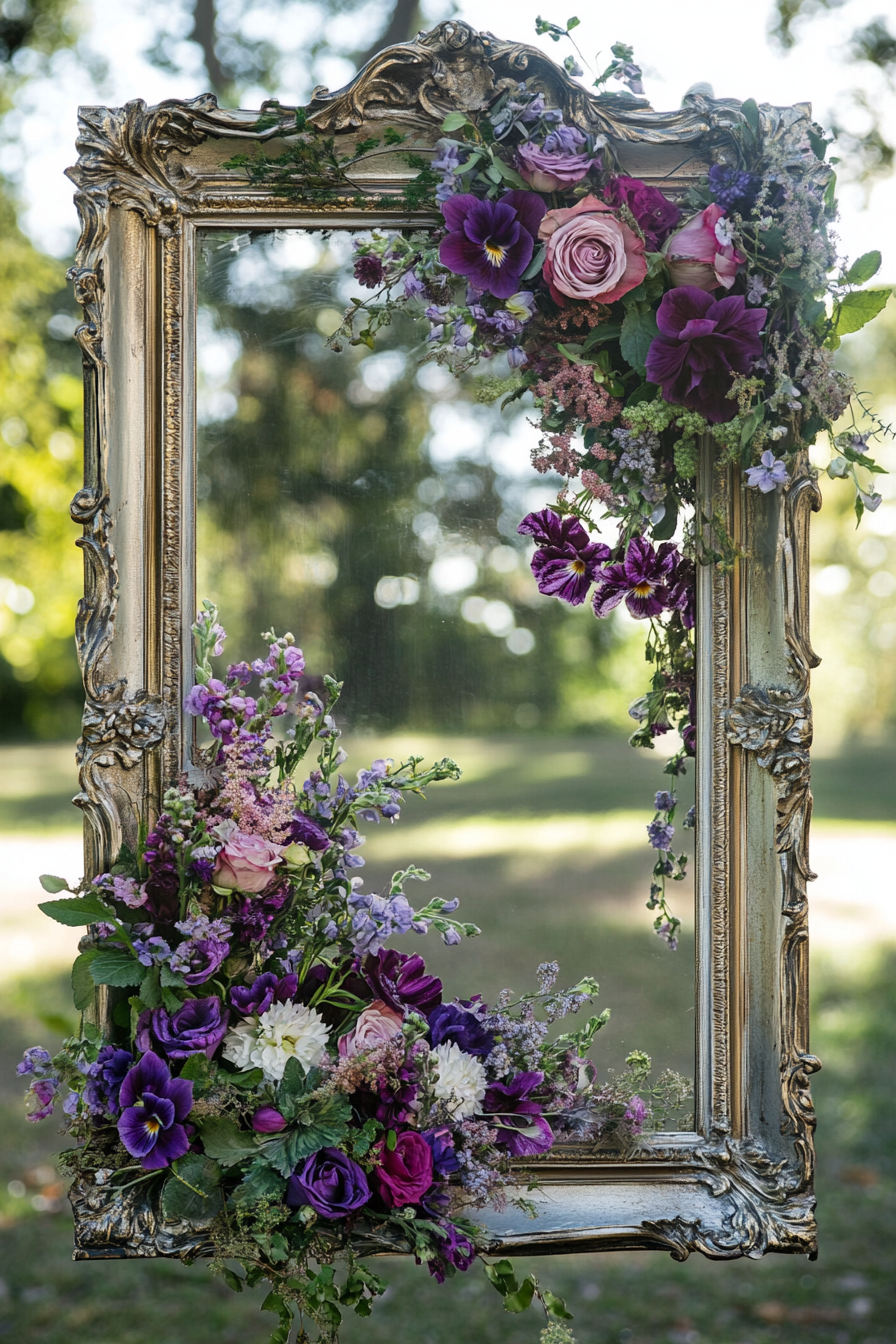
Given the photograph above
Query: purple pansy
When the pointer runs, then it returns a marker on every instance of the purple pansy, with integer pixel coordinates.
(154, 1105)
(462, 1027)
(702, 343)
(401, 981)
(491, 242)
(517, 1115)
(567, 562)
(642, 579)
(197, 1028)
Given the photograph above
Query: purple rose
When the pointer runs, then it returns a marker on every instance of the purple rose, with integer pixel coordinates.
(153, 1106)
(567, 561)
(405, 1172)
(401, 981)
(330, 1182)
(460, 1026)
(199, 958)
(643, 579)
(702, 343)
(655, 214)
(522, 1129)
(304, 831)
(491, 242)
(545, 171)
(198, 1028)
(264, 990)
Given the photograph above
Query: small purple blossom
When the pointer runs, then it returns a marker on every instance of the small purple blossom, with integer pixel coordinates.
(564, 140)
(376, 918)
(660, 834)
(517, 357)
(635, 1114)
(664, 801)
(40, 1098)
(105, 1076)
(769, 475)
(369, 270)
(35, 1060)
(733, 189)
(522, 1129)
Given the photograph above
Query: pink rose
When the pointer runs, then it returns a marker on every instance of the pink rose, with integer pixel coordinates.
(405, 1171)
(246, 863)
(551, 172)
(590, 253)
(377, 1023)
(695, 256)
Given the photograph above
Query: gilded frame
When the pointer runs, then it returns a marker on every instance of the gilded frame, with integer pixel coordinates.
(147, 179)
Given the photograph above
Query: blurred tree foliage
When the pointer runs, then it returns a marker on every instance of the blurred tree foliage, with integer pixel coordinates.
(324, 509)
(865, 147)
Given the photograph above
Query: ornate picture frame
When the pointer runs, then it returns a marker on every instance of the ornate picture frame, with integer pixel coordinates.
(148, 178)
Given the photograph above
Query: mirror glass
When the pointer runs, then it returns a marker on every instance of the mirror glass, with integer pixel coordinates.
(369, 503)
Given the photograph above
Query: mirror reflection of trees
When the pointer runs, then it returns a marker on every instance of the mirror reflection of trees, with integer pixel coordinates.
(369, 504)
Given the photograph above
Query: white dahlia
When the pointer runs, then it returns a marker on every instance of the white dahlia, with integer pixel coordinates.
(286, 1031)
(461, 1081)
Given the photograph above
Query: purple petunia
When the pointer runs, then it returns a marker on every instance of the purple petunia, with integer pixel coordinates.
(643, 579)
(154, 1105)
(491, 242)
(567, 562)
(702, 343)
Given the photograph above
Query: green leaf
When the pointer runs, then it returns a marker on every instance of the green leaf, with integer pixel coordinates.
(555, 1305)
(251, 1078)
(192, 1193)
(511, 175)
(639, 330)
(793, 278)
(750, 110)
(171, 979)
(454, 121)
(323, 1125)
(259, 1182)
(751, 424)
(170, 1000)
(197, 1069)
(149, 988)
(522, 1299)
(607, 331)
(225, 1142)
(853, 312)
(535, 265)
(819, 145)
(646, 392)
(76, 910)
(232, 1280)
(115, 968)
(572, 23)
(859, 273)
(53, 884)
(83, 983)
(502, 1277)
(665, 528)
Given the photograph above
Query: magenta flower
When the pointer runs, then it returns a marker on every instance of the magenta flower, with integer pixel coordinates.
(153, 1106)
(491, 242)
(402, 981)
(643, 579)
(654, 212)
(700, 253)
(567, 562)
(702, 343)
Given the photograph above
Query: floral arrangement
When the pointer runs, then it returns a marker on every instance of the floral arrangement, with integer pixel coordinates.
(274, 1074)
(640, 326)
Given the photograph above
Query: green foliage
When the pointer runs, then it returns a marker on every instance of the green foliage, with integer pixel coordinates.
(192, 1193)
(858, 308)
(76, 910)
(115, 968)
(223, 1140)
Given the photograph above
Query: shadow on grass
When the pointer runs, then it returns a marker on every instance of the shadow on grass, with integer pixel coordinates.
(847, 1297)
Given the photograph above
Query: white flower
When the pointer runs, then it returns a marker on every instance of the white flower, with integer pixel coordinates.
(286, 1031)
(778, 432)
(724, 232)
(461, 1080)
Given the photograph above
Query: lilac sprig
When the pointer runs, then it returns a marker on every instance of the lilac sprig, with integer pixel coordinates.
(660, 833)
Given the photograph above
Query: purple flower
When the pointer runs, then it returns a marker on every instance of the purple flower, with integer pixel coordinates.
(34, 1060)
(198, 958)
(106, 1075)
(564, 140)
(153, 1106)
(683, 593)
(455, 1252)
(491, 242)
(444, 1156)
(197, 1028)
(635, 1112)
(461, 1027)
(517, 1115)
(252, 916)
(517, 357)
(401, 981)
(305, 831)
(330, 1182)
(660, 834)
(702, 342)
(268, 1120)
(413, 285)
(403, 1172)
(641, 579)
(768, 476)
(664, 801)
(40, 1098)
(264, 990)
(369, 271)
(732, 189)
(654, 213)
(556, 170)
(567, 562)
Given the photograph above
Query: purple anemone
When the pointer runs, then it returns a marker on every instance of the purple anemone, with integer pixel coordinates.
(566, 562)
(153, 1106)
(643, 579)
(522, 1129)
(401, 981)
(462, 1027)
(702, 343)
(491, 242)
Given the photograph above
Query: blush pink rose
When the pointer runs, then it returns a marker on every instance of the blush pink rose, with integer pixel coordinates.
(694, 255)
(590, 253)
(377, 1023)
(246, 863)
(545, 171)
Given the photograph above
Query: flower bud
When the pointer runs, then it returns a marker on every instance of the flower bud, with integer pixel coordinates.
(267, 1120)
